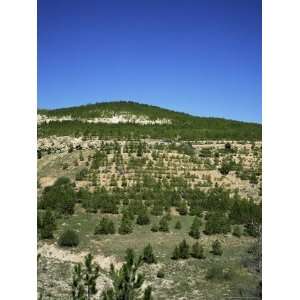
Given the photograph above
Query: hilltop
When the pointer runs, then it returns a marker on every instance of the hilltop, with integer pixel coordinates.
(134, 120)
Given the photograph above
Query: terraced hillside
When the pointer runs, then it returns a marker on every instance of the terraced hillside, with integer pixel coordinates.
(157, 191)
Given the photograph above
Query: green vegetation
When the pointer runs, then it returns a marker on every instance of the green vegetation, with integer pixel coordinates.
(84, 279)
(217, 248)
(183, 126)
(69, 238)
(105, 226)
(127, 282)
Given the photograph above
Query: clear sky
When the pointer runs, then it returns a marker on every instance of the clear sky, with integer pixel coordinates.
(198, 56)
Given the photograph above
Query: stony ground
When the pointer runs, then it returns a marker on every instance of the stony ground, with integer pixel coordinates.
(183, 279)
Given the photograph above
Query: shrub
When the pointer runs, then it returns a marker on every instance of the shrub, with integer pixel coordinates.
(143, 218)
(195, 228)
(178, 225)
(163, 225)
(125, 226)
(214, 272)
(82, 174)
(148, 255)
(60, 196)
(69, 238)
(184, 250)
(160, 274)
(105, 226)
(154, 228)
(237, 231)
(217, 248)
(47, 225)
(176, 254)
(197, 251)
(182, 209)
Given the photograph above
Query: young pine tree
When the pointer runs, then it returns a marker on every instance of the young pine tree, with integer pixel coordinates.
(125, 226)
(184, 250)
(47, 225)
(176, 254)
(197, 251)
(163, 225)
(84, 279)
(148, 255)
(127, 282)
(195, 229)
(178, 225)
(217, 248)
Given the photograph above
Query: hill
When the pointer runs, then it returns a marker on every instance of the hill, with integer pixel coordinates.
(133, 120)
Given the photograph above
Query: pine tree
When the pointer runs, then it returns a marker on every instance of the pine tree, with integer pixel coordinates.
(217, 248)
(184, 250)
(176, 254)
(125, 226)
(182, 209)
(81, 158)
(197, 251)
(143, 218)
(195, 229)
(178, 225)
(163, 225)
(84, 279)
(48, 225)
(148, 255)
(127, 282)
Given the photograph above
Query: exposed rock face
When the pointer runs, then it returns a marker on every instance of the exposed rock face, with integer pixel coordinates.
(114, 119)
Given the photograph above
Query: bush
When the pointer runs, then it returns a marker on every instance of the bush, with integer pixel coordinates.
(148, 255)
(197, 251)
(143, 218)
(184, 250)
(154, 228)
(69, 238)
(182, 209)
(178, 225)
(47, 225)
(60, 196)
(105, 226)
(217, 248)
(237, 231)
(126, 226)
(163, 225)
(195, 228)
(214, 272)
(176, 254)
(160, 274)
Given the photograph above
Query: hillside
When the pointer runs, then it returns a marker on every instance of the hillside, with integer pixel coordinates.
(133, 120)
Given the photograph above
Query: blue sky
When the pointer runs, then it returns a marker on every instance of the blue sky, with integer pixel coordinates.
(198, 56)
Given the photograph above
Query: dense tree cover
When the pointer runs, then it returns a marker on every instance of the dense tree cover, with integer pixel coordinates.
(217, 223)
(60, 197)
(222, 209)
(84, 279)
(183, 126)
(105, 226)
(127, 282)
(69, 238)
